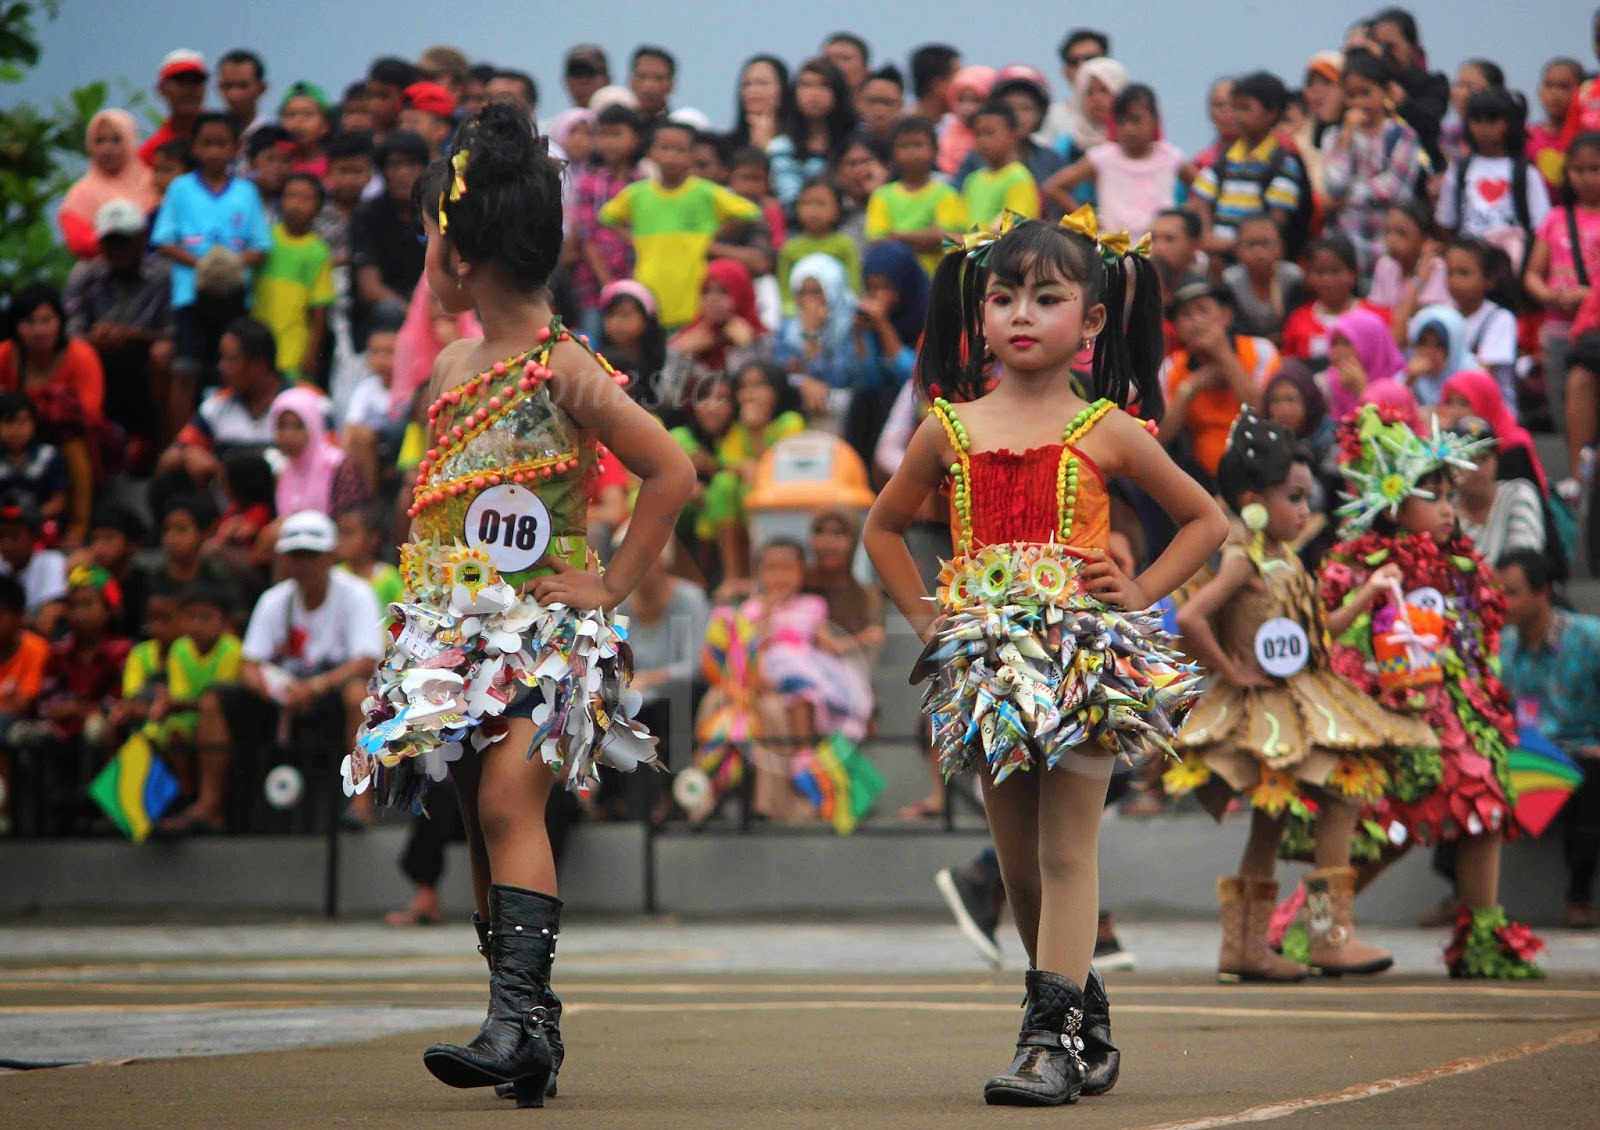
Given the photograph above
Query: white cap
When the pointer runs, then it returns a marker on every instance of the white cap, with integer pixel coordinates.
(689, 116)
(612, 95)
(309, 530)
(183, 61)
(119, 217)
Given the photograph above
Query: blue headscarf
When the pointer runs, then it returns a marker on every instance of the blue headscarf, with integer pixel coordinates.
(838, 345)
(896, 262)
(1448, 324)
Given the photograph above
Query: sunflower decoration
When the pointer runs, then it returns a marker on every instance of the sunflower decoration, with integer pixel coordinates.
(470, 568)
(1274, 793)
(1186, 776)
(1384, 460)
(1361, 778)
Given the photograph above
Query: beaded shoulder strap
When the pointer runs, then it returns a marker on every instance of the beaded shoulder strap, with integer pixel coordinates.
(960, 471)
(1067, 469)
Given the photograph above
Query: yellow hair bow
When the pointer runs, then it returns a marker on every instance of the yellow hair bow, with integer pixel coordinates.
(458, 187)
(1082, 222)
(976, 243)
(1112, 246)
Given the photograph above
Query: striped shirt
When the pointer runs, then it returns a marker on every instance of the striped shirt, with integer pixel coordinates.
(1515, 521)
(1240, 194)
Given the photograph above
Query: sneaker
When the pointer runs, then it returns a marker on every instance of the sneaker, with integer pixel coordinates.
(1108, 952)
(971, 902)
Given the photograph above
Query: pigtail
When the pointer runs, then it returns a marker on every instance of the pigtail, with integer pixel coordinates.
(1129, 350)
(954, 356)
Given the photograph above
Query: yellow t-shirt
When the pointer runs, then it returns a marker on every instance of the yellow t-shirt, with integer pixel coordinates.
(989, 191)
(895, 208)
(296, 275)
(671, 230)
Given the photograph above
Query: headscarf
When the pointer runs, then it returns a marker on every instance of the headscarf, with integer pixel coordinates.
(96, 188)
(896, 262)
(1482, 394)
(830, 275)
(955, 137)
(1297, 373)
(306, 483)
(1390, 393)
(1114, 77)
(1373, 342)
(417, 347)
(733, 277)
(561, 127)
(1449, 324)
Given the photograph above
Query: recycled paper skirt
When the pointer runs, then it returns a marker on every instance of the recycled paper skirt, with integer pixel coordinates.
(462, 660)
(1027, 668)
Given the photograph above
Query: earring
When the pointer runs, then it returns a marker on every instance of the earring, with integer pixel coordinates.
(1254, 517)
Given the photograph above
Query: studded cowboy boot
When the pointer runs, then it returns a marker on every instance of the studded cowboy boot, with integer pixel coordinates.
(1101, 1059)
(513, 1045)
(1335, 949)
(1048, 1068)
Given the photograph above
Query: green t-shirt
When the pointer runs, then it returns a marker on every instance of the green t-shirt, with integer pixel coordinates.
(989, 191)
(797, 247)
(895, 208)
(386, 583)
(297, 275)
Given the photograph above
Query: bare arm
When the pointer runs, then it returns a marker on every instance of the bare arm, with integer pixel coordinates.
(369, 285)
(1340, 619)
(1194, 618)
(918, 476)
(1536, 280)
(1058, 189)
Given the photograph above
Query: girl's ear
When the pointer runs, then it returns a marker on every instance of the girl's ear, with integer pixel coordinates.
(1094, 320)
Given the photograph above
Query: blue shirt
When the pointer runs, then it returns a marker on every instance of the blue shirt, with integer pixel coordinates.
(197, 219)
(1562, 678)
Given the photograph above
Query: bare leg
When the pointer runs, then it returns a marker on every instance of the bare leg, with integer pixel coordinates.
(512, 793)
(465, 773)
(213, 759)
(1260, 858)
(1583, 414)
(1070, 805)
(1335, 827)
(1478, 870)
(1013, 809)
(363, 807)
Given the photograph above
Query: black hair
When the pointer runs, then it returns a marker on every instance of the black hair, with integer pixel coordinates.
(1496, 267)
(376, 515)
(529, 87)
(841, 118)
(1566, 61)
(1497, 104)
(1191, 222)
(239, 55)
(510, 212)
(115, 516)
(406, 145)
(777, 378)
(14, 404)
(853, 40)
(741, 128)
(930, 63)
(349, 143)
(750, 157)
(1256, 218)
(21, 508)
(782, 543)
(1489, 69)
(1084, 35)
(822, 182)
(619, 115)
(13, 597)
(888, 73)
(314, 182)
(266, 137)
(1387, 525)
(1263, 87)
(651, 51)
(1127, 352)
(1132, 95)
(652, 357)
(1404, 22)
(662, 124)
(1260, 455)
(721, 143)
(1365, 65)
(255, 338)
(922, 127)
(177, 148)
(249, 477)
(994, 108)
(1534, 564)
(1588, 139)
(217, 118)
(481, 72)
(392, 71)
(198, 506)
(872, 143)
(354, 92)
(24, 303)
(1339, 246)
(1420, 214)
(207, 594)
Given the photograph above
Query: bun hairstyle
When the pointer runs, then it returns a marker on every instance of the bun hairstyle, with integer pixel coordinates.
(954, 360)
(1260, 456)
(497, 199)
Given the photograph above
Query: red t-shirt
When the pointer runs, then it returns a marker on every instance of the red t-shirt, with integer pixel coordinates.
(147, 151)
(1307, 336)
(1583, 115)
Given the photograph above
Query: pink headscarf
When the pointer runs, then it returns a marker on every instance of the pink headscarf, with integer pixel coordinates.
(97, 188)
(1482, 394)
(1380, 357)
(417, 347)
(955, 137)
(306, 483)
(1390, 393)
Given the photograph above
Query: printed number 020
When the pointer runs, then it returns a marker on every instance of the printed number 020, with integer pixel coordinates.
(1284, 647)
(519, 531)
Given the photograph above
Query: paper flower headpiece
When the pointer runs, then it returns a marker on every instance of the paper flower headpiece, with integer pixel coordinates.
(1383, 460)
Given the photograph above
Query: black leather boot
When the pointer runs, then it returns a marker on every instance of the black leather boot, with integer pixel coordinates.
(512, 1046)
(1048, 1068)
(1101, 1059)
(552, 1004)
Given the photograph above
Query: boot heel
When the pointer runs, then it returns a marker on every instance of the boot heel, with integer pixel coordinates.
(529, 1090)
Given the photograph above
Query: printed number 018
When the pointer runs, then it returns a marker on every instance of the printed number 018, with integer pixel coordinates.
(521, 531)
(511, 524)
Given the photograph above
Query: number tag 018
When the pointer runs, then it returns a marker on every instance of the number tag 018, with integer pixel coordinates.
(511, 524)
(1282, 647)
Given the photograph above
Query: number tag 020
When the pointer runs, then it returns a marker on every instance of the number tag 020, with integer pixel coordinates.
(1282, 647)
(511, 524)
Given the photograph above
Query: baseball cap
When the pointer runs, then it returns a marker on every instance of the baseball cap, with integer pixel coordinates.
(119, 217)
(307, 530)
(586, 60)
(183, 61)
(1195, 287)
(430, 98)
(304, 89)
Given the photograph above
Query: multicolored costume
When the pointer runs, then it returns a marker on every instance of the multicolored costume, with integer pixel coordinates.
(1431, 650)
(1311, 728)
(501, 491)
(1027, 666)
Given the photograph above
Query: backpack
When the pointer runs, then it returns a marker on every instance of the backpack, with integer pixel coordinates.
(1306, 220)
(1519, 195)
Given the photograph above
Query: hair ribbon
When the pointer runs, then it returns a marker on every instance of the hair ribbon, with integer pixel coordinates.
(458, 186)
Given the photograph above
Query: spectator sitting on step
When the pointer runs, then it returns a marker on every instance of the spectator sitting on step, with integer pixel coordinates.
(249, 488)
(28, 465)
(115, 534)
(311, 644)
(42, 573)
(83, 674)
(22, 659)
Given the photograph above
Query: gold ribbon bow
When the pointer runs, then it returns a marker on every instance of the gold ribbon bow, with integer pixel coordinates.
(976, 244)
(458, 187)
(1112, 246)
